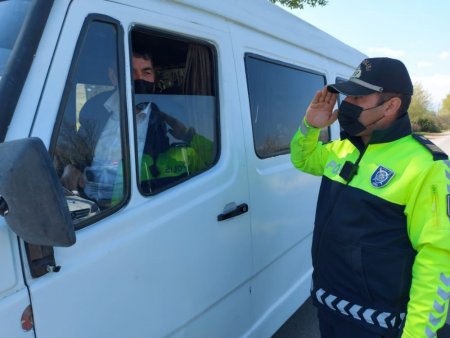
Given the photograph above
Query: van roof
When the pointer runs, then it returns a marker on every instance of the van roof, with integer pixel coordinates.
(274, 21)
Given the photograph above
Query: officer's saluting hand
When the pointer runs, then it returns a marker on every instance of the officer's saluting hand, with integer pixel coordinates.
(319, 113)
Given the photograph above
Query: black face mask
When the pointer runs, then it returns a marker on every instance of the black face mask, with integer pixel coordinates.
(348, 118)
(144, 87)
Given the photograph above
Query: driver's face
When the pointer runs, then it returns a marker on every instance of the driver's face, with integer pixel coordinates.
(143, 69)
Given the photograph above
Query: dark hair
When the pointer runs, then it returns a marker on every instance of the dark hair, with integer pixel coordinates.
(405, 99)
(146, 55)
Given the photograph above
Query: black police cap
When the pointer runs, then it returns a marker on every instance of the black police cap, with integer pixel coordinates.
(382, 75)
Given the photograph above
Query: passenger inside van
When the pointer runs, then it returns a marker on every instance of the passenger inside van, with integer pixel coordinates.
(99, 176)
(163, 162)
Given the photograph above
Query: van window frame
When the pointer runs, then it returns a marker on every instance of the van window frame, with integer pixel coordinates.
(179, 37)
(282, 64)
(123, 109)
(340, 97)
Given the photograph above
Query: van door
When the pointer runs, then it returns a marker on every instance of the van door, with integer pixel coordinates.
(171, 257)
(14, 298)
(283, 199)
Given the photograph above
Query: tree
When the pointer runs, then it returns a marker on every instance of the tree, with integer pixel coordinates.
(444, 113)
(445, 108)
(420, 103)
(293, 4)
(428, 124)
(423, 118)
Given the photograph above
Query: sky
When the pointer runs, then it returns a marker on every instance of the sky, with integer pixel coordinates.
(414, 31)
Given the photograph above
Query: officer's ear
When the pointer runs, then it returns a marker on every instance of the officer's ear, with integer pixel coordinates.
(392, 106)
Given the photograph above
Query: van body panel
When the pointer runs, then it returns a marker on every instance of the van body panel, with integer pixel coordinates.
(274, 21)
(281, 207)
(11, 309)
(13, 292)
(9, 277)
(280, 289)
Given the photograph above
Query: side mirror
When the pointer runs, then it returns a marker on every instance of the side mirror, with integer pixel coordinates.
(32, 200)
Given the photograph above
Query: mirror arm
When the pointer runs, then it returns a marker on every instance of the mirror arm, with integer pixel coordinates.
(41, 259)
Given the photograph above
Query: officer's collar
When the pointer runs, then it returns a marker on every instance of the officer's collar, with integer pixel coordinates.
(400, 128)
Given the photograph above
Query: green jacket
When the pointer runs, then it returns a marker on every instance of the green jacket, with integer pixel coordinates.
(381, 244)
(177, 162)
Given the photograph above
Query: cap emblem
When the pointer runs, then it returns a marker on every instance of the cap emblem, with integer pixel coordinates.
(357, 72)
(367, 64)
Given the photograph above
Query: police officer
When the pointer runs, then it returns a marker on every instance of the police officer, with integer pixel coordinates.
(381, 243)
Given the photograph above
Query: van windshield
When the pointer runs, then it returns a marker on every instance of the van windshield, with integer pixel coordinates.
(12, 17)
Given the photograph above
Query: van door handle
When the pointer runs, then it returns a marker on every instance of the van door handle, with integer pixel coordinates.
(236, 210)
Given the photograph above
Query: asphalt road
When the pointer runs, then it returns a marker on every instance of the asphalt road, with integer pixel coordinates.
(442, 141)
(303, 323)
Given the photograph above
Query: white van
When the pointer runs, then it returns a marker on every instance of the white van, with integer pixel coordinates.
(218, 249)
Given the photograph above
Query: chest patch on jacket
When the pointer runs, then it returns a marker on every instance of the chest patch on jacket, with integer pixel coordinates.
(381, 176)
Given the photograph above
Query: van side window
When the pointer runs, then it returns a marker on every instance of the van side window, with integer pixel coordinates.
(341, 97)
(88, 139)
(279, 95)
(174, 91)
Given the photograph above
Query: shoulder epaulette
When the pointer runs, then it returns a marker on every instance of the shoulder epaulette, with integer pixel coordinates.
(438, 153)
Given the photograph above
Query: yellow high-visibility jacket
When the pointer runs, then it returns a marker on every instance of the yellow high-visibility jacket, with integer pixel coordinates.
(177, 162)
(381, 243)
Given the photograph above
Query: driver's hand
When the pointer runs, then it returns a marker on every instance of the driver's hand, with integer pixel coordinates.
(72, 178)
(177, 128)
